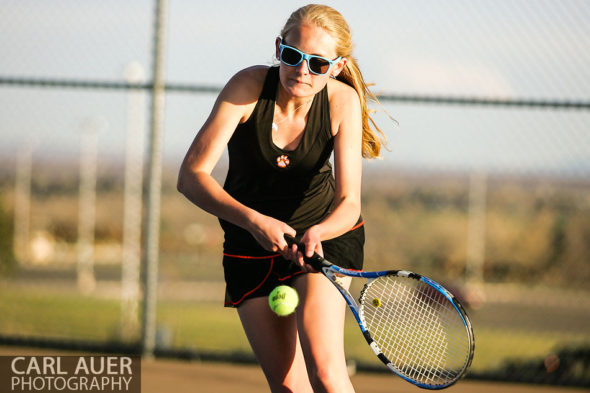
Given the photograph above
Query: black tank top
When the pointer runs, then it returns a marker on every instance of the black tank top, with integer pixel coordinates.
(294, 186)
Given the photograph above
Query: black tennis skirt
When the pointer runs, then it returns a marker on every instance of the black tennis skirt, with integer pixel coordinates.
(247, 277)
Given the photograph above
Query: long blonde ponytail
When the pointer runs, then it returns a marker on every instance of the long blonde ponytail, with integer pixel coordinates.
(334, 23)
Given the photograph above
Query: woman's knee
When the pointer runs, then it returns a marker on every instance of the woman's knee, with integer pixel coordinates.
(290, 385)
(329, 378)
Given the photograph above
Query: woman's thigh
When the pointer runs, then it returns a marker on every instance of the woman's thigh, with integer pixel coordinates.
(275, 343)
(321, 332)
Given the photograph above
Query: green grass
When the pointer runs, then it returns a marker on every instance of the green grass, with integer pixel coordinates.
(495, 346)
(211, 327)
(492, 346)
(29, 313)
(207, 326)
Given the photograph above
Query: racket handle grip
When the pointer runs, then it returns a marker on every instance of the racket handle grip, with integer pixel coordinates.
(316, 261)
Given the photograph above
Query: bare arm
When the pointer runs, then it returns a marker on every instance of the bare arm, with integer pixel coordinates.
(195, 181)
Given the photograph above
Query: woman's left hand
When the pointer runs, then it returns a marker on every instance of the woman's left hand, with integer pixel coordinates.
(312, 243)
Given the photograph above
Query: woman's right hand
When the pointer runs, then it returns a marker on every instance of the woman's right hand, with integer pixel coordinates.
(269, 233)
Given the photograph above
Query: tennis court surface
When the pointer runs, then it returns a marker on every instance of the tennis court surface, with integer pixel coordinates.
(159, 375)
(164, 375)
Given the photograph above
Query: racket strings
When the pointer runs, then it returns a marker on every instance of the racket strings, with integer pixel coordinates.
(416, 328)
(422, 355)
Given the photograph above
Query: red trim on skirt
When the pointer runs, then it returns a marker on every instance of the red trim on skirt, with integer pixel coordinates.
(272, 259)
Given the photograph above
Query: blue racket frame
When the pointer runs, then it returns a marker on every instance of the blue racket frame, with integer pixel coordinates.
(331, 271)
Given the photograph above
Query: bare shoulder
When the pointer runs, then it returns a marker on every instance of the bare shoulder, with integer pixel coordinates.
(246, 84)
(242, 91)
(343, 98)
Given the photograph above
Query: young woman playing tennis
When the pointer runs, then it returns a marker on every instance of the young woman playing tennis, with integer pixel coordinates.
(281, 125)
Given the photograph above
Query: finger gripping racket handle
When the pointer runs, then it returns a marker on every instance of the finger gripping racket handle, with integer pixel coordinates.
(316, 261)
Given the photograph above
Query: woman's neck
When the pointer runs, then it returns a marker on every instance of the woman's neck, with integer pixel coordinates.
(288, 103)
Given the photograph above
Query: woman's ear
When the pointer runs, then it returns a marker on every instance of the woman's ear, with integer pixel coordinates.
(339, 67)
(278, 40)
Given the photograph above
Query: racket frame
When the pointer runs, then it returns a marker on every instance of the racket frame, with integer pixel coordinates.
(331, 271)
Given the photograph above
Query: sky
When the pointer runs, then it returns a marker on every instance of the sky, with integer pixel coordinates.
(469, 48)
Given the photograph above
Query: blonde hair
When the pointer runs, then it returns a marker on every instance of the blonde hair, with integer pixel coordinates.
(333, 22)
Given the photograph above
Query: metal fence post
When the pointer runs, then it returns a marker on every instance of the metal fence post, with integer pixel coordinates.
(152, 221)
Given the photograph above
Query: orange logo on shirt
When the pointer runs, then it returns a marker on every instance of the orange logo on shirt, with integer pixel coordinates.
(283, 161)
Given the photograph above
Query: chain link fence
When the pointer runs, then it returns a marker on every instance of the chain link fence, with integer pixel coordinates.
(485, 186)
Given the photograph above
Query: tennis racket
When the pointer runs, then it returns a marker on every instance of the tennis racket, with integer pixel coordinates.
(414, 325)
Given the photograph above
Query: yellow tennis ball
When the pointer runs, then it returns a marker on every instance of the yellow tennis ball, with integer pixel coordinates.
(377, 302)
(283, 300)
